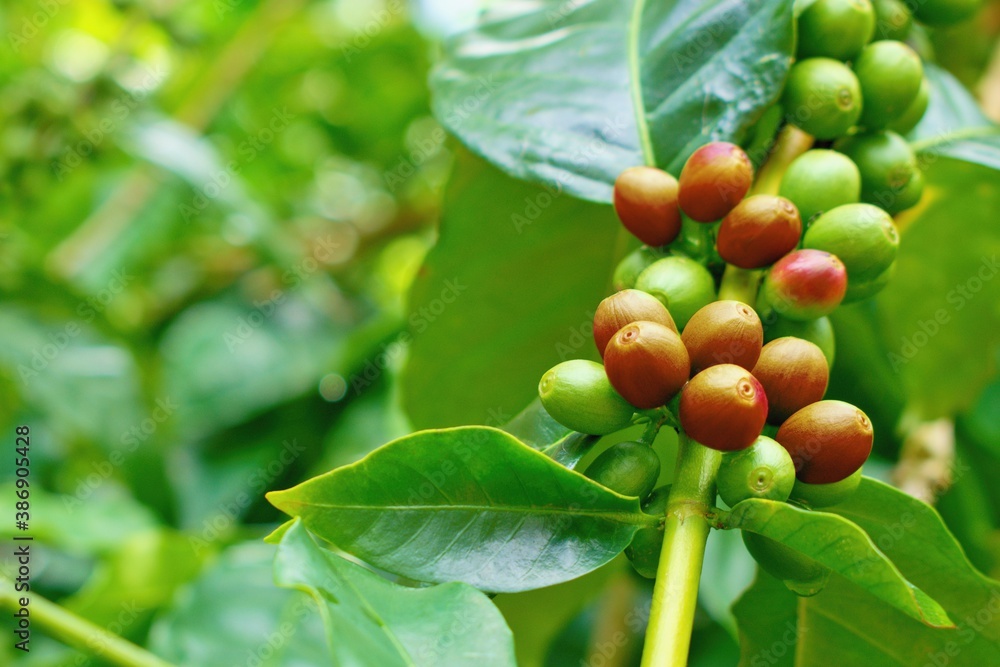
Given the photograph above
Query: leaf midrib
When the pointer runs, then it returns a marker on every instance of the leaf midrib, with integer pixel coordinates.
(635, 83)
(960, 135)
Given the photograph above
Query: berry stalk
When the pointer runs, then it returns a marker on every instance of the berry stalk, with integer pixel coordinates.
(675, 595)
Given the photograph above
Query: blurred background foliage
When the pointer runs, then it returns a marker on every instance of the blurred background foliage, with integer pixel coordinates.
(211, 216)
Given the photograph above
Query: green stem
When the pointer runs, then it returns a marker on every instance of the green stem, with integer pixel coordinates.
(78, 632)
(675, 596)
(740, 285)
(791, 143)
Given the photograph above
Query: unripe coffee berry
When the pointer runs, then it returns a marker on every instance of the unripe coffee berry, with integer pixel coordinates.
(794, 373)
(623, 308)
(818, 332)
(828, 441)
(801, 574)
(823, 97)
(681, 284)
(723, 407)
(759, 231)
(887, 165)
(913, 113)
(762, 470)
(578, 395)
(890, 73)
(818, 496)
(820, 180)
(945, 12)
(805, 284)
(893, 19)
(628, 468)
(723, 332)
(647, 364)
(646, 202)
(861, 291)
(835, 28)
(644, 550)
(634, 263)
(714, 180)
(862, 236)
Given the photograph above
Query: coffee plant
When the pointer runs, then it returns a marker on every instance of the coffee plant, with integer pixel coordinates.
(651, 422)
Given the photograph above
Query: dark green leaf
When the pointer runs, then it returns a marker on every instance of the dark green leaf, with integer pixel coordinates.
(573, 93)
(841, 546)
(469, 504)
(371, 621)
(766, 615)
(508, 292)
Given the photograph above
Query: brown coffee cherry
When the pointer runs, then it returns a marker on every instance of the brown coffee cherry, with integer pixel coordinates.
(828, 441)
(647, 364)
(714, 180)
(723, 407)
(794, 373)
(759, 231)
(625, 307)
(646, 203)
(723, 332)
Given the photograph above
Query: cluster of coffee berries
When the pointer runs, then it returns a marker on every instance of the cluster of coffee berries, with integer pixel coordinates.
(862, 95)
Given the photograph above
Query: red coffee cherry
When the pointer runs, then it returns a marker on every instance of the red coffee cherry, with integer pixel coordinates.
(794, 373)
(647, 364)
(828, 441)
(646, 203)
(759, 231)
(723, 332)
(714, 180)
(805, 284)
(625, 307)
(723, 407)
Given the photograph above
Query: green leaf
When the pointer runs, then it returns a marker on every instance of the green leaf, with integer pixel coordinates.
(938, 315)
(841, 546)
(371, 621)
(536, 428)
(233, 614)
(574, 93)
(484, 331)
(469, 504)
(913, 535)
(768, 625)
(953, 125)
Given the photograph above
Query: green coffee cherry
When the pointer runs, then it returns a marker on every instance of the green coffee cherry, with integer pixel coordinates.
(819, 180)
(887, 165)
(835, 28)
(632, 265)
(578, 395)
(805, 284)
(893, 19)
(823, 97)
(628, 468)
(945, 12)
(866, 290)
(818, 496)
(913, 113)
(681, 284)
(909, 196)
(818, 331)
(890, 73)
(801, 574)
(762, 470)
(644, 550)
(863, 236)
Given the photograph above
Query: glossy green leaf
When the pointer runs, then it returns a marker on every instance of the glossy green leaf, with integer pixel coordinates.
(371, 621)
(938, 316)
(469, 504)
(953, 125)
(508, 292)
(766, 614)
(573, 93)
(233, 614)
(841, 546)
(535, 427)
